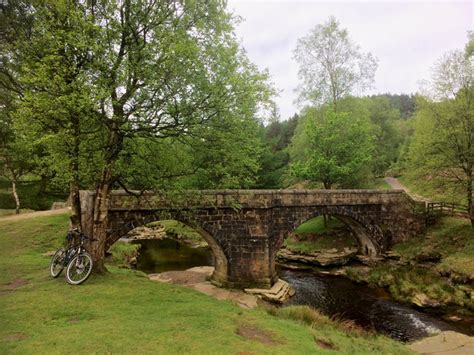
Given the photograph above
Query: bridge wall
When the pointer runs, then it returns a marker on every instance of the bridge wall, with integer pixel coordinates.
(245, 228)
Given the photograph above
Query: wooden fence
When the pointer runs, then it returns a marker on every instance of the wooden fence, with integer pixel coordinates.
(446, 208)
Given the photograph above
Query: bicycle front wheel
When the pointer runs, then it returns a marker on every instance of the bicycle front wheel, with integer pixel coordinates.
(56, 265)
(79, 269)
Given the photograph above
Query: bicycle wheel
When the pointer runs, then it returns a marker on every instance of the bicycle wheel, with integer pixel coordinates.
(56, 265)
(79, 269)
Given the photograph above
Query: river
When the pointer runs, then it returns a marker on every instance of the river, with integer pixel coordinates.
(336, 296)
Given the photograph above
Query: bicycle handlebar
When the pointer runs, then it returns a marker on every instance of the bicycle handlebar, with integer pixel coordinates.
(81, 235)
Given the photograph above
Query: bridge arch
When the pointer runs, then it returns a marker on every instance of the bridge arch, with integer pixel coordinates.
(368, 234)
(125, 225)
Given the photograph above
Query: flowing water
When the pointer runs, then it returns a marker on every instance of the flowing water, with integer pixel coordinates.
(336, 296)
(371, 308)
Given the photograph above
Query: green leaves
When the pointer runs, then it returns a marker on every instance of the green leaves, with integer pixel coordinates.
(339, 149)
(159, 93)
(441, 151)
(331, 66)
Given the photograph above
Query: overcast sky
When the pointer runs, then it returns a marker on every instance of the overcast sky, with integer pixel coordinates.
(407, 37)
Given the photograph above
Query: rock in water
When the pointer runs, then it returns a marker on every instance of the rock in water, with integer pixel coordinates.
(422, 300)
(280, 292)
(320, 258)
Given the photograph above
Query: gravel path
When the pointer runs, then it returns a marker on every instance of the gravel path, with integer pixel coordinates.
(397, 185)
(18, 217)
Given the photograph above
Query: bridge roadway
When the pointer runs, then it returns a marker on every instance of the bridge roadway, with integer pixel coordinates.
(246, 228)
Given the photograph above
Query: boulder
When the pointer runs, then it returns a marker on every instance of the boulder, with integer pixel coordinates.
(330, 258)
(422, 300)
(147, 233)
(280, 292)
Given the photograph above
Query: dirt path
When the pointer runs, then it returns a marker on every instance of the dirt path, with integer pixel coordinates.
(397, 185)
(18, 217)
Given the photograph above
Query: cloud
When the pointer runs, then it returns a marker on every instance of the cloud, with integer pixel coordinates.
(406, 37)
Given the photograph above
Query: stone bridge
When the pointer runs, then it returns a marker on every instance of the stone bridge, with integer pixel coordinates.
(246, 228)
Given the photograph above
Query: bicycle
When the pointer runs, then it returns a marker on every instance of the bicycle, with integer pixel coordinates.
(77, 261)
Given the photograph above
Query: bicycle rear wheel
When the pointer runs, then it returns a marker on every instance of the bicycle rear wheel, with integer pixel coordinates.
(79, 269)
(56, 265)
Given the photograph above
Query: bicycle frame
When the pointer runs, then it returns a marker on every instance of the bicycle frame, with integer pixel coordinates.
(75, 249)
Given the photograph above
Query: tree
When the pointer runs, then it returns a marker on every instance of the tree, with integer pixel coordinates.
(16, 159)
(331, 66)
(16, 152)
(386, 122)
(129, 72)
(443, 143)
(340, 147)
(276, 138)
(56, 107)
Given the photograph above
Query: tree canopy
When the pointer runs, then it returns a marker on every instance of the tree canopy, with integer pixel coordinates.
(106, 84)
(442, 147)
(331, 66)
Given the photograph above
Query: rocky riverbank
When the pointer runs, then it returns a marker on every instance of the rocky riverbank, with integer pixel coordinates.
(197, 278)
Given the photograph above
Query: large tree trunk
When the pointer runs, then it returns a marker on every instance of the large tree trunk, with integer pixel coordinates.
(15, 196)
(75, 205)
(100, 221)
(74, 180)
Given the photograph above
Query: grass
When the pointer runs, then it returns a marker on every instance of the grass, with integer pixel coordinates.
(313, 236)
(378, 184)
(435, 190)
(316, 226)
(179, 230)
(122, 253)
(404, 283)
(124, 312)
(452, 239)
(30, 196)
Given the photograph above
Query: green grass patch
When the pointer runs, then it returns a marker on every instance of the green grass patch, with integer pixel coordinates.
(452, 239)
(179, 230)
(316, 226)
(344, 340)
(405, 282)
(436, 190)
(313, 236)
(122, 252)
(123, 312)
(378, 184)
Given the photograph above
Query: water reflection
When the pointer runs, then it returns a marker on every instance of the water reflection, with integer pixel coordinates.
(167, 254)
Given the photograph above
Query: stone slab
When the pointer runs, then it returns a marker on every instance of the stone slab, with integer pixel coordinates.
(445, 343)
